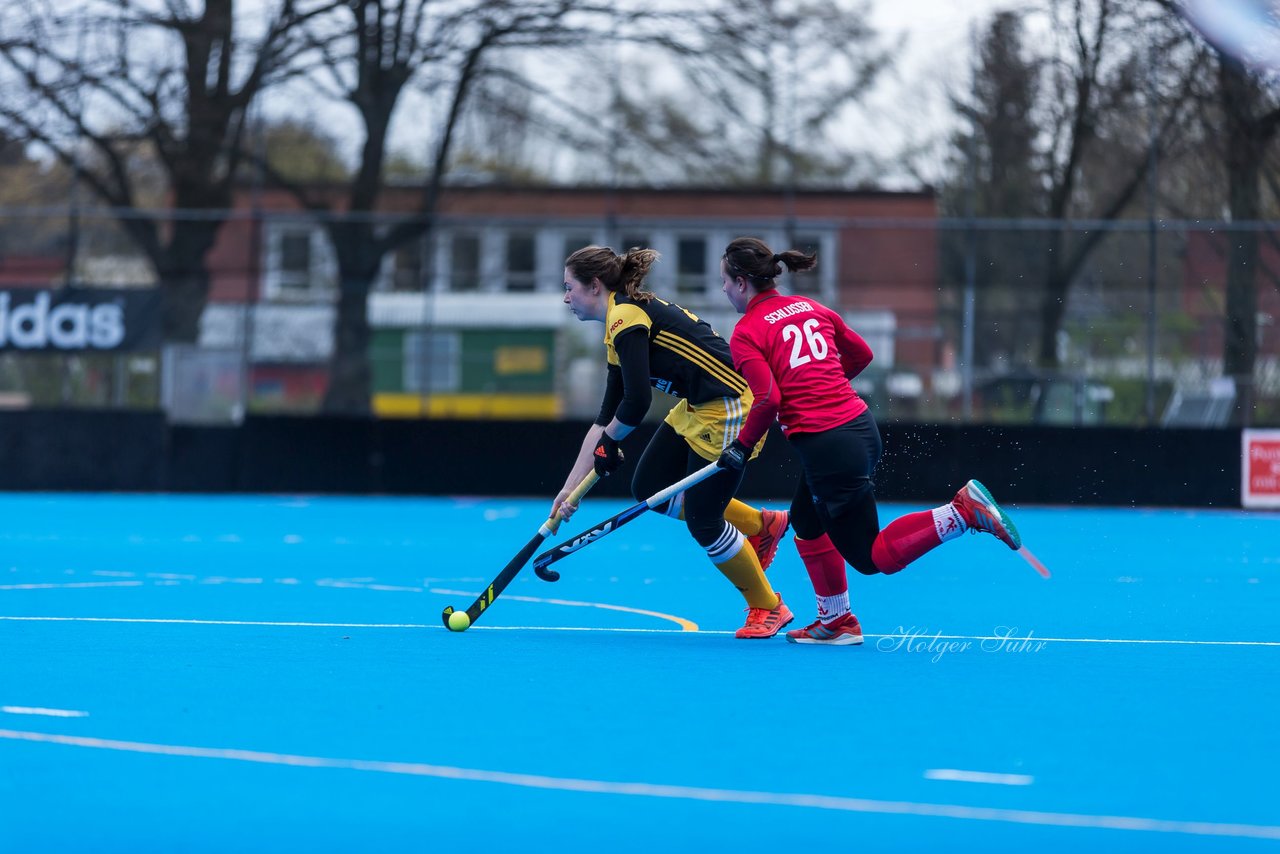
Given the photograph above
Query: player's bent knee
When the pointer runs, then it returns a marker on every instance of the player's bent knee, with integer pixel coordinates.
(705, 531)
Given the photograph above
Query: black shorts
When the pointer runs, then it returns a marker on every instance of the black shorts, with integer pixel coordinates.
(836, 496)
(838, 463)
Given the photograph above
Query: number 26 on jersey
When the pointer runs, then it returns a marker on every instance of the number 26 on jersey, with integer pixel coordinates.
(805, 337)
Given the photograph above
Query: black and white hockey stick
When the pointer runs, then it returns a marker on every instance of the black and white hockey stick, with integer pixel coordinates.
(613, 523)
(462, 621)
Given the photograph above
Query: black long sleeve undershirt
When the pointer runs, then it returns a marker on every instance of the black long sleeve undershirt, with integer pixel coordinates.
(627, 393)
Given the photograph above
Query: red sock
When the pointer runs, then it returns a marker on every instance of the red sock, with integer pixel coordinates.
(825, 566)
(903, 540)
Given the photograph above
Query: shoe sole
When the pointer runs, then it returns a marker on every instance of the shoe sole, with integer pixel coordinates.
(986, 498)
(843, 640)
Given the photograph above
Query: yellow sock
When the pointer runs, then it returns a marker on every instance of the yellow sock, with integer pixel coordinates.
(744, 517)
(743, 570)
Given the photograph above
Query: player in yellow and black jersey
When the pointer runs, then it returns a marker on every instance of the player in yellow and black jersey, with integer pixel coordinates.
(651, 343)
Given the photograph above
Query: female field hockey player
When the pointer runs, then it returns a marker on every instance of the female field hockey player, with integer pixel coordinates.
(650, 341)
(798, 356)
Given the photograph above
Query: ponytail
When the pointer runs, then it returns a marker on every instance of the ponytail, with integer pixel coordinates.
(797, 261)
(635, 266)
(750, 258)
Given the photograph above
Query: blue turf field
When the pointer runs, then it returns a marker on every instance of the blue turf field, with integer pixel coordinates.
(253, 674)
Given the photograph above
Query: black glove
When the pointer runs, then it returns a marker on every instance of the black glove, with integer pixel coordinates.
(607, 455)
(735, 456)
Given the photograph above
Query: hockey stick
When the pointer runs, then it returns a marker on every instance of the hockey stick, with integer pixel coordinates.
(544, 560)
(1033, 560)
(460, 621)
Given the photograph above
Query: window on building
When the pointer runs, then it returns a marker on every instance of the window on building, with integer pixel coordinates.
(630, 241)
(574, 242)
(295, 254)
(298, 263)
(809, 283)
(406, 267)
(432, 362)
(464, 262)
(522, 262)
(691, 265)
(295, 263)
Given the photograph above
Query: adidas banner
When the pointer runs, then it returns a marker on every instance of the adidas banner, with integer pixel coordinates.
(79, 319)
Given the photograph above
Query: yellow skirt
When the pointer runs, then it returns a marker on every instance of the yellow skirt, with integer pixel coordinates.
(711, 426)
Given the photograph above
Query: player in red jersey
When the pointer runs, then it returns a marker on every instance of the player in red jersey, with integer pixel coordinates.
(798, 357)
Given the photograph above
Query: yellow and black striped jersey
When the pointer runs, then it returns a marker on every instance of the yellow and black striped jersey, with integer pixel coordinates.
(686, 356)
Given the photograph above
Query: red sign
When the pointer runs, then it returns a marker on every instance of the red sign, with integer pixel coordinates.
(1260, 481)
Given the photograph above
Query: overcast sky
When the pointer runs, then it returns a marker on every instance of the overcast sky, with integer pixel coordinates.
(936, 54)
(909, 104)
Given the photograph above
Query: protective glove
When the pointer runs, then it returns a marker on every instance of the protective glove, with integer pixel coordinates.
(607, 456)
(735, 456)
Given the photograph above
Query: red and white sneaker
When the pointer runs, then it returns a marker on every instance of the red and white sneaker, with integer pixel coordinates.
(982, 513)
(844, 631)
(765, 622)
(775, 524)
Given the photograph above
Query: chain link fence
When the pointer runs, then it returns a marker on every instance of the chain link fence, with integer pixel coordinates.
(962, 315)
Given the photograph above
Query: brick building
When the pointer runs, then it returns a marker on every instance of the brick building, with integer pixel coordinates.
(473, 324)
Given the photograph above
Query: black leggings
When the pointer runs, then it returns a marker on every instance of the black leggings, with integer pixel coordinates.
(667, 459)
(835, 494)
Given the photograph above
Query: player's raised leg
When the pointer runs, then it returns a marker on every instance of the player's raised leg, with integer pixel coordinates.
(981, 513)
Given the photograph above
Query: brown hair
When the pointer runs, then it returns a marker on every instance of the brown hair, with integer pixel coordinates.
(623, 273)
(751, 259)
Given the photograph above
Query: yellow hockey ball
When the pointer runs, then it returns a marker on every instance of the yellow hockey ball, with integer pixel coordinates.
(459, 621)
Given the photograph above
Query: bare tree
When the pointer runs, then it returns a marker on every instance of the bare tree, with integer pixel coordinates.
(1098, 157)
(996, 169)
(1066, 133)
(1238, 115)
(94, 86)
(1251, 119)
(377, 51)
(746, 92)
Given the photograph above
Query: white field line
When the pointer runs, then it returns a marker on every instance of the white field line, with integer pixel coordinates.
(179, 622)
(687, 793)
(1012, 639)
(368, 584)
(958, 776)
(324, 625)
(50, 713)
(73, 584)
(685, 625)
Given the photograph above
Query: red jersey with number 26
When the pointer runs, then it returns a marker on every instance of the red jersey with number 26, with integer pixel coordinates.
(811, 354)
